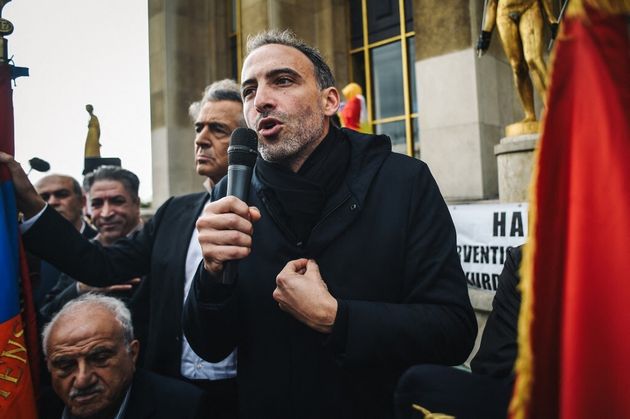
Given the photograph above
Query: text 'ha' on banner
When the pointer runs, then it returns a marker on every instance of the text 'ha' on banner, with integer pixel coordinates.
(484, 233)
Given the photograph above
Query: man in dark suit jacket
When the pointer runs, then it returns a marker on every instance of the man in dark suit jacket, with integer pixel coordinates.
(166, 249)
(485, 393)
(65, 195)
(115, 208)
(91, 354)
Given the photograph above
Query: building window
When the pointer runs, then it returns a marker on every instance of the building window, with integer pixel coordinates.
(382, 61)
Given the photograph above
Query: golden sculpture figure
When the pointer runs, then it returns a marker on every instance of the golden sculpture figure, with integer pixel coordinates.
(520, 24)
(92, 144)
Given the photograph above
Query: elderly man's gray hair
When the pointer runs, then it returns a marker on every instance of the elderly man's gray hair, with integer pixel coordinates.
(225, 89)
(115, 306)
(323, 74)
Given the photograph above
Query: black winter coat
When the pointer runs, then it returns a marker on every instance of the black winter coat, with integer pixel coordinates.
(385, 246)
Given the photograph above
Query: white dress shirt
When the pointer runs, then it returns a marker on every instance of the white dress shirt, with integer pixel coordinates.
(193, 367)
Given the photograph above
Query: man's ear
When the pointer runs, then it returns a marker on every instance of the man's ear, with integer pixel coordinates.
(330, 99)
(134, 350)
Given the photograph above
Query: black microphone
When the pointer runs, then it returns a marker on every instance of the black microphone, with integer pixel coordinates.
(242, 154)
(38, 164)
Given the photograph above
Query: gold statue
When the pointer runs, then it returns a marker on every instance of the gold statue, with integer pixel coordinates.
(520, 24)
(92, 145)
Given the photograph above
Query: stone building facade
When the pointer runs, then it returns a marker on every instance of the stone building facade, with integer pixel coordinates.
(415, 60)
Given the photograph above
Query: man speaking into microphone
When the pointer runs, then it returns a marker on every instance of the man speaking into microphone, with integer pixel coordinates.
(347, 269)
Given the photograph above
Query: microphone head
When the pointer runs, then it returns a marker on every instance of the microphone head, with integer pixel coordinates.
(39, 164)
(243, 149)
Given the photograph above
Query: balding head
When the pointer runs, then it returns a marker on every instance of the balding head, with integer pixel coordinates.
(64, 194)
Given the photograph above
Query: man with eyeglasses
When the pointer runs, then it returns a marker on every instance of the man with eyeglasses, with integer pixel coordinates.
(115, 208)
(65, 195)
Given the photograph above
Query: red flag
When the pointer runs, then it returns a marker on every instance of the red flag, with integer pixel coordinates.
(17, 399)
(575, 363)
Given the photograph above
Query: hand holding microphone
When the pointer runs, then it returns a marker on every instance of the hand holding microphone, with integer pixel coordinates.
(226, 226)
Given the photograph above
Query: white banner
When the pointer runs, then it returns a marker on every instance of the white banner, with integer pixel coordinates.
(484, 232)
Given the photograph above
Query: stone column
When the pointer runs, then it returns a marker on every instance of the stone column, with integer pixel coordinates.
(464, 102)
(187, 51)
(188, 43)
(515, 156)
(322, 24)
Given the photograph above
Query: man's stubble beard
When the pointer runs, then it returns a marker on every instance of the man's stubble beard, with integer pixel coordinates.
(294, 138)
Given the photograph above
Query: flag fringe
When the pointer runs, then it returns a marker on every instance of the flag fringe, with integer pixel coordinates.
(525, 359)
(429, 415)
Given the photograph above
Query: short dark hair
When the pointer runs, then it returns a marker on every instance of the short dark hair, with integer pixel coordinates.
(129, 180)
(323, 74)
(226, 89)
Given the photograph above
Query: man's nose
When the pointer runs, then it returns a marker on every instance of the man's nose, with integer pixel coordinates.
(106, 210)
(84, 376)
(264, 100)
(203, 138)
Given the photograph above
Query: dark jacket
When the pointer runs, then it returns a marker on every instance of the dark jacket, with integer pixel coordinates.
(66, 290)
(155, 397)
(158, 250)
(44, 276)
(385, 246)
(485, 393)
(497, 352)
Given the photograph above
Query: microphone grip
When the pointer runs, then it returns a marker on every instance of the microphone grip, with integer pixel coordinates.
(239, 178)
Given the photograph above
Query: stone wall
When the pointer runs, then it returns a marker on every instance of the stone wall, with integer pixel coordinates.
(188, 44)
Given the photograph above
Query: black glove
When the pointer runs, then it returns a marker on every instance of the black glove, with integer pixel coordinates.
(554, 30)
(484, 41)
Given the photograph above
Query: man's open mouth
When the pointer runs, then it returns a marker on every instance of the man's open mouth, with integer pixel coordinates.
(268, 127)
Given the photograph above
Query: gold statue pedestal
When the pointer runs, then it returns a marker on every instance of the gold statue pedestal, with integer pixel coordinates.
(522, 128)
(515, 158)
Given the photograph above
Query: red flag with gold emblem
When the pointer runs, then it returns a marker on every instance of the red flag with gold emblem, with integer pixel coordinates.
(574, 336)
(17, 332)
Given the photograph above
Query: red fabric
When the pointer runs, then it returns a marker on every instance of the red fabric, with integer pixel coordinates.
(580, 333)
(29, 320)
(17, 361)
(351, 114)
(17, 400)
